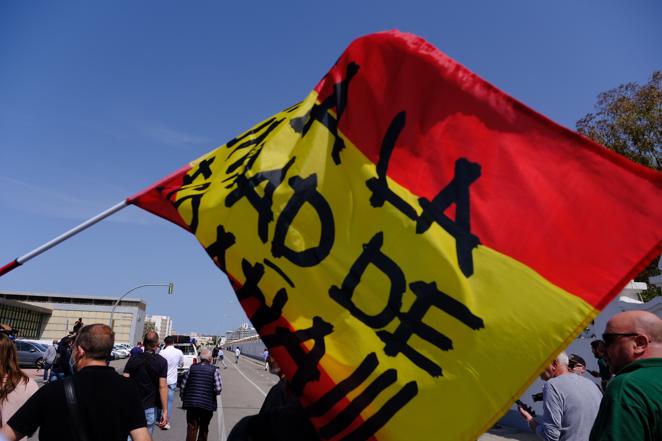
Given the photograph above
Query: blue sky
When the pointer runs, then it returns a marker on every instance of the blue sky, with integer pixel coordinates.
(100, 99)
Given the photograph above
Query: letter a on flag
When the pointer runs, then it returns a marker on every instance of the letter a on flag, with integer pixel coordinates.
(412, 244)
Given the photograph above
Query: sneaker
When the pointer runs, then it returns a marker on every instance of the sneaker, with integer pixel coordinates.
(166, 427)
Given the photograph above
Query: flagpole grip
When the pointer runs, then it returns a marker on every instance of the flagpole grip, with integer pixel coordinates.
(10, 266)
(61, 238)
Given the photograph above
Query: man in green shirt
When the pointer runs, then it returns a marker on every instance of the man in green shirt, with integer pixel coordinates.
(631, 408)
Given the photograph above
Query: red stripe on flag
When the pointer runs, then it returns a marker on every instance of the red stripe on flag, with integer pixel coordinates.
(547, 196)
(314, 389)
(155, 198)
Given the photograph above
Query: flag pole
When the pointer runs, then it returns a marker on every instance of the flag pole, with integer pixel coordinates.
(61, 238)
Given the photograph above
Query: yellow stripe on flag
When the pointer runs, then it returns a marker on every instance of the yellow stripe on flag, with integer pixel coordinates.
(523, 318)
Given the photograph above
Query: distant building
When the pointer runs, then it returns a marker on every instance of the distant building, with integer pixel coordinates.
(162, 324)
(49, 316)
(245, 330)
(203, 340)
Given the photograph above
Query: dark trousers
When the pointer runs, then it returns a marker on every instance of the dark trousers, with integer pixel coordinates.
(197, 424)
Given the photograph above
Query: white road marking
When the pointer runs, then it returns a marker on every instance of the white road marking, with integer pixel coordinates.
(221, 419)
(249, 380)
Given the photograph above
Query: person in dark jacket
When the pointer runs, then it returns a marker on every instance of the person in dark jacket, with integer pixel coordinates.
(281, 418)
(61, 364)
(199, 388)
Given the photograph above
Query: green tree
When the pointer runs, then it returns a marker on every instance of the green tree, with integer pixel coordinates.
(628, 120)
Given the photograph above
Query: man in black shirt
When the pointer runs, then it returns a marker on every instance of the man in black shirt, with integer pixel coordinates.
(108, 405)
(150, 372)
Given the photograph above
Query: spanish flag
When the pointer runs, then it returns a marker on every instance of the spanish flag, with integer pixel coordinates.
(412, 244)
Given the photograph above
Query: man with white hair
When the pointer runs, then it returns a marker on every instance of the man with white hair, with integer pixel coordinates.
(570, 404)
(199, 388)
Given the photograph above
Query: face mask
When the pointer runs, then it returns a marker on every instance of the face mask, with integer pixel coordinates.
(73, 359)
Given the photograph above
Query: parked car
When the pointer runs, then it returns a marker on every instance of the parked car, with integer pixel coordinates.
(30, 354)
(120, 352)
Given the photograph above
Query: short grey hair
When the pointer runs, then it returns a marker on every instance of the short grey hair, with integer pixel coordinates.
(563, 358)
(205, 355)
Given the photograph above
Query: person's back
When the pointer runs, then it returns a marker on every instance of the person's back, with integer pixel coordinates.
(61, 366)
(200, 387)
(150, 372)
(175, 358)
(136, 350)
(108, 404)
(143, 371)
(579, 400)
(51, 352)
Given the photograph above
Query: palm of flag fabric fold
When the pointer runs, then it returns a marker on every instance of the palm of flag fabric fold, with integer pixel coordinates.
(412, 244)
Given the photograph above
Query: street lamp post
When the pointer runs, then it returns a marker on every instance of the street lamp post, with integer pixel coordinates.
(171, 288)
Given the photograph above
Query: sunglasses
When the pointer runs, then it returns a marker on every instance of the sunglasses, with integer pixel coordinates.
(610, 337)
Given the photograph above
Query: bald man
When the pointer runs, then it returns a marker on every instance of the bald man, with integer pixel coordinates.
(631, 408)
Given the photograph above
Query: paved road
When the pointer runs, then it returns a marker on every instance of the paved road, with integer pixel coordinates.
(245, 384)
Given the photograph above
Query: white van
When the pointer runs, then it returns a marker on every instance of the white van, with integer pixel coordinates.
(190, 357)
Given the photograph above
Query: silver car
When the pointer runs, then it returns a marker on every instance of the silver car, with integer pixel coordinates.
(30, 354)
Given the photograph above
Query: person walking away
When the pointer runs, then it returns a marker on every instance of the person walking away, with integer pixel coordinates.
(108, 405)
(49, 358)
(265, 357)
(631, 408)
(237, 353)
(61, 367)
(175, 359)
(570, 404)
(221, 356)
(137, 349)
(15, 386)
(200, 386)
(150, 373)
(214, 355)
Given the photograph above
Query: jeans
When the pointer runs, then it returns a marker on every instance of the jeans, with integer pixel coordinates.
(171, 397)
(55, 376)
(47, 368)
(152, 416)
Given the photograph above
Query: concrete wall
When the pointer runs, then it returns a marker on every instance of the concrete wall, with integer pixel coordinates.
(128, 325)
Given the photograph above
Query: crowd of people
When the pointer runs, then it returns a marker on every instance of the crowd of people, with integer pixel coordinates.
(627, 405)
(85, 399)
(83, 390)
